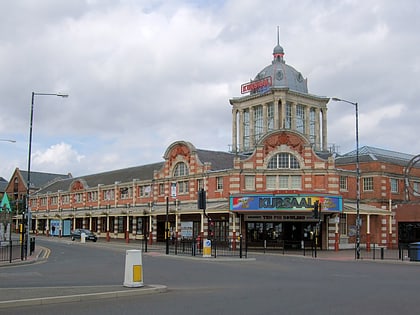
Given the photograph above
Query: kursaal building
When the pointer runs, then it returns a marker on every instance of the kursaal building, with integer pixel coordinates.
(280, 186)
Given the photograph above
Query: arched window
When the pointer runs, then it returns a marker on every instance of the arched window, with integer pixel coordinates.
(180, 169)
(283, 161)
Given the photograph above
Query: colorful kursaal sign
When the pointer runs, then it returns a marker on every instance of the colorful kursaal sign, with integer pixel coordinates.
(285, 202)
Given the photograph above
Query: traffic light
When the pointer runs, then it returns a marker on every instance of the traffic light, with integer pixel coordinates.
(211, 228)
(315, 211)
(202, 199)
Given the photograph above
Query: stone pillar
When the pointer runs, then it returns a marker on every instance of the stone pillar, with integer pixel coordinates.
(265, 120)
(276, 113)
(241, 130)
(293, 122)
(234, 130)
(324, 129)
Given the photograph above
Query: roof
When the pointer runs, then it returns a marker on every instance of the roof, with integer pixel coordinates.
(370, 154)
(3, 184)
(282, 75)
(144, 172)
(39, 179)
(219, 160)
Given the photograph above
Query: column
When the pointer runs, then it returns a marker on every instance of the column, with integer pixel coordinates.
(324, 129)
(368, 232)
(307, 121)
(241, 130)
(265, 121)
(282, 112)
(276, 113)
(293, 122)
(251, 128)
(317, 129)
(234, 130)
(127, 230)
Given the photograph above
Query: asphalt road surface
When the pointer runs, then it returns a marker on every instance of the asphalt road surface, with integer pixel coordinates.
(270, 284)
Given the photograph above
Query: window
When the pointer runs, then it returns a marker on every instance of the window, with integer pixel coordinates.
(271, 182)
(54, 200)
(368, 183)
(139, 226)
(180, 169)
(126, 192)
(66, 199)
(120, 225)
(200, 184)
(394, 185)
(258, 122)
(300, 118)
(145, 191)
(161, 189)
(219, 183)
(416, 188)
(249, 182)
(295, 182)
(283, 161)
(343, 182)
(312, 123)
(78, 197)
(288, 118)
(343, 224)
(277, 182)
(92, 195)
(43, 201)
(108, 194)
(183, 187)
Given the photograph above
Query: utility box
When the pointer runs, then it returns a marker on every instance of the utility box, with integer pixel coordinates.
(414, 251)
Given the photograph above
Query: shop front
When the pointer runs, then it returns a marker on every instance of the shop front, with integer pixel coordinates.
(285, 221)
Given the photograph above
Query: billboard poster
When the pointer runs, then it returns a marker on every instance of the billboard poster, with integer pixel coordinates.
(285, 202)
(187, 229)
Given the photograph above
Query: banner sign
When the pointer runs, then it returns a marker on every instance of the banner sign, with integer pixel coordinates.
(173, 190)
(256, 85)
(285, 202)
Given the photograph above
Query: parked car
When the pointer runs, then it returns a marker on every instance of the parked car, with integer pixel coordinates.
(77, 234)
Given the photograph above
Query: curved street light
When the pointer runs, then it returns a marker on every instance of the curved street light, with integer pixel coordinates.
(357, 174)
(8, 140)
(28, 209)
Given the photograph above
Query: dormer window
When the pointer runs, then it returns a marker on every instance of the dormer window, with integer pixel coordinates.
(180, 169)
(283, 161)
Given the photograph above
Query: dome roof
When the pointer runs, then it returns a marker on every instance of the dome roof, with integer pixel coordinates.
(283, 75)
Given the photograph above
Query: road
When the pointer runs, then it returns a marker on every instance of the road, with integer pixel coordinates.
(270, 284)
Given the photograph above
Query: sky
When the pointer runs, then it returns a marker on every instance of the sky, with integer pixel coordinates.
(143, 74)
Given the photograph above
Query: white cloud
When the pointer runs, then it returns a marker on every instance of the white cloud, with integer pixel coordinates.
(141, 74)
(55, 158)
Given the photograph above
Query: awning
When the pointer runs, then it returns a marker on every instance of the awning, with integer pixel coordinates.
(351, 208)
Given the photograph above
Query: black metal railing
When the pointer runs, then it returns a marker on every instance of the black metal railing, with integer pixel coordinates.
(190, 247)
(10, 250)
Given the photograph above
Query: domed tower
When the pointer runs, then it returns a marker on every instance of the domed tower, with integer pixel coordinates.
(277, 99)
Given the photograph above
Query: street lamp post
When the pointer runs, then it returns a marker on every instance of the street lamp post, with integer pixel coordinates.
(28, 208)
(357, 175)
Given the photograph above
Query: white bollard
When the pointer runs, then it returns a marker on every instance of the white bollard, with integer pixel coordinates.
(133, 276)
(83, 238)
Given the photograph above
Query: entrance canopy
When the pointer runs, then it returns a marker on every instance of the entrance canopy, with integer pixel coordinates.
(351, 208)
